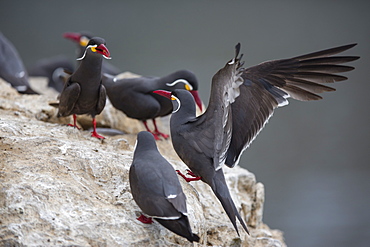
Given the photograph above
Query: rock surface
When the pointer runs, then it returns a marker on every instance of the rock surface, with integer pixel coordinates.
(61, 187)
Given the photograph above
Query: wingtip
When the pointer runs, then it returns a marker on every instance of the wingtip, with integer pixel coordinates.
(352, 45)
(354, 58)
(347, 47)
(327, 52)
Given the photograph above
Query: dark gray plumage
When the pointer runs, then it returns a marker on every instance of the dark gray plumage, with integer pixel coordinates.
(156, 188)
(135, 97)
(84, 93)
(12, 69)
(241, 101)
(53, 69)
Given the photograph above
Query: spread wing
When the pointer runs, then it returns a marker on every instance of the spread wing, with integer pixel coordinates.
(269, 85)
(216, 122)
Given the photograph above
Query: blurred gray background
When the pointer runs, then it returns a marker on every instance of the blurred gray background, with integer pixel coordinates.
(313, 157)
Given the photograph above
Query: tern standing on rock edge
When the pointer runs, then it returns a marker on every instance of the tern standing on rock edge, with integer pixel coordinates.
(84, 93)
(241, 102)
(157, 190)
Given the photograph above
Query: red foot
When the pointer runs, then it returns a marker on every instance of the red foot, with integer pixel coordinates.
(75, 126)
(156, 137)
(194, 177)
(145, 219)
(74, 122)
(95, 134)
(157, 133)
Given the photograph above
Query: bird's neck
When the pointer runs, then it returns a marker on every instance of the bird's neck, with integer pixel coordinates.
(183, 115)
(145, 148)
(90, 67)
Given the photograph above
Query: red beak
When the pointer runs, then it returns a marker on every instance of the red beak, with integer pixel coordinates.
(167, 94)
(72, 36)
(163, 93)
(102, 49)
(197, 99)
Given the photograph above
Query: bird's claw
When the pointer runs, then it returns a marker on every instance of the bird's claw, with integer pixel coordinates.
(156, 137)
(158, 134)
(193, 178)
(95, 134)
(162, 134)
(146, 220)
(190, 173)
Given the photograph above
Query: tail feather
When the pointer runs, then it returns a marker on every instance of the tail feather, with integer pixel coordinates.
(222, 192)
(181, 227)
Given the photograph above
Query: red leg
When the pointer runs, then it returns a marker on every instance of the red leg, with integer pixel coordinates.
(144, 219)
(94, 133)
(156, 131)
(147, 129)
(194, 177)
(74, 122)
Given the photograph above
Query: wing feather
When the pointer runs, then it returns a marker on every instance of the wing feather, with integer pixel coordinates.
(68, 98)
(101, 100)
(224, 91)
(268, 85)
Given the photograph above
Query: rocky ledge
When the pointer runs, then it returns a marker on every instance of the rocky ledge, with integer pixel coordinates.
(61, 187)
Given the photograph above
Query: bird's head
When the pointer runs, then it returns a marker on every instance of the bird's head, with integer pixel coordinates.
(184, 79)
(169, 95)
(81, 38)
(96, 45)
(179, 96)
